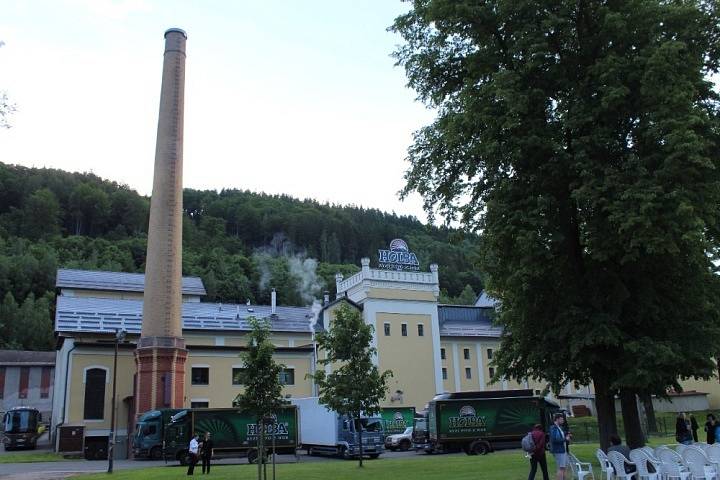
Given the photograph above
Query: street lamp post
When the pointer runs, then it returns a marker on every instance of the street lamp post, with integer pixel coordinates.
(119, 337)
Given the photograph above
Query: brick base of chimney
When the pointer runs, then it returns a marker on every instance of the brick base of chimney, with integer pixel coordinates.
(160, 375)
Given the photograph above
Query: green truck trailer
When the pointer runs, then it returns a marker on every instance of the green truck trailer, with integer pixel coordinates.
(481, 422)
(234, 432)
(396, 420)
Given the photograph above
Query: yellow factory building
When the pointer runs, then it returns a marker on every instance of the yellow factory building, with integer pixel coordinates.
(430, 348)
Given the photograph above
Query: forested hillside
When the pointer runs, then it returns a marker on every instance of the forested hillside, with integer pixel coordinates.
(241, 243)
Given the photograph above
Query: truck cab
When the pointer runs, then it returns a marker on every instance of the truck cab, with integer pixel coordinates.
(149, 431)
(373, 436)
(420, 438)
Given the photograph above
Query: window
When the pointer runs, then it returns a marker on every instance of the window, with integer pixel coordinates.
(95, 380)
(421, 330)
(403, 329)
(2, 381)
(444, 372)
(466, 353)
(492, 372)
(237, 375)
(387, 329)
(468, 373)
(200, 375)
(24, 382)
(199, 404)
(287, 376)
(489, 353)
(45, 382)
(442, 354)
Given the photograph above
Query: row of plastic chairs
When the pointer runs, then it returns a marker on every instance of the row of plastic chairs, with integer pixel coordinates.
(687, 462)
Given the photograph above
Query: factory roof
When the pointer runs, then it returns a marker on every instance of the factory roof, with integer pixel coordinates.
(26, 358)
(100, 315)
(117, 281)
(467, 321)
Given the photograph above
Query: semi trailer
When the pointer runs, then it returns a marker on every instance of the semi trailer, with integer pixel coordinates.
(481, 422)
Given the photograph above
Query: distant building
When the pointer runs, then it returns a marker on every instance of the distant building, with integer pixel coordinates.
(27, 379)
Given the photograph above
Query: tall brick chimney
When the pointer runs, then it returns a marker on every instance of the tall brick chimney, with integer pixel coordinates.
(161, 354)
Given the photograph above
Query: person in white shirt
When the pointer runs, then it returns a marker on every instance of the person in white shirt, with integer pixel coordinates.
(193, 454)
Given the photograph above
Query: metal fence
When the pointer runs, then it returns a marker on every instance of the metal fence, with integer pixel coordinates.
(586, 431)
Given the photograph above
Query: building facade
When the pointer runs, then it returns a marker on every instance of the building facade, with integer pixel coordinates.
(27, 380)
(430, 348)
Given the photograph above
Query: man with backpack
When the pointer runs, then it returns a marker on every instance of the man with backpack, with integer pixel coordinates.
(534, 445)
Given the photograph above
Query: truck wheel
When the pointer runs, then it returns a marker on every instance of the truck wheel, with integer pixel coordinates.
(156, 453)
(252, 456)
(344, 453)
(184, 458)
(374, 456)
(479, 447)
(404, 446)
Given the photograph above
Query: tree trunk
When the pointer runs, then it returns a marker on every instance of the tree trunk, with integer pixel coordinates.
(360, 440)
(605, 406)
(646, 400)
(259, 446)
(634, 436)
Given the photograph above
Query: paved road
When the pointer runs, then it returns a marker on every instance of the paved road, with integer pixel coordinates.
(60, 470)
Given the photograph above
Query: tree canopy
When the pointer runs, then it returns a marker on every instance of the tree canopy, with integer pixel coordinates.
(242, 244)
(581, 139)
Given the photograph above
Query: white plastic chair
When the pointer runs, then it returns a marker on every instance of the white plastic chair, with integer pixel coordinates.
(650, 453)
(671, 471)
(640, 458)
(713, 452)
(671, 456)
(618, 462)
(605, 466)
(680, 448)
(580, 469)
(700, 465)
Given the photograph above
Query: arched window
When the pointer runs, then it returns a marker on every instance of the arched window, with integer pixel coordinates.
(95, 381)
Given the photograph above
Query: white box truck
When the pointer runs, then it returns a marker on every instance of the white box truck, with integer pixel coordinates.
(325, 432)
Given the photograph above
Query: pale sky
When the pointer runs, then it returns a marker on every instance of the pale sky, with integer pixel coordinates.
(285, 96)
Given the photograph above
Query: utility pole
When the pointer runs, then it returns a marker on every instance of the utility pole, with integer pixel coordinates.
(119, 337)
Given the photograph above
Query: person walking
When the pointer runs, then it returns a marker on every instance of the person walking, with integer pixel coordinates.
(193, 454)
(694, 427)
(682, 432)
(537, 457)
(558, 445)
(206, 453)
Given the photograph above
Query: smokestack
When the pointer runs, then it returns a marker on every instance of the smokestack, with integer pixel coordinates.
(273, 301)
(161, 349)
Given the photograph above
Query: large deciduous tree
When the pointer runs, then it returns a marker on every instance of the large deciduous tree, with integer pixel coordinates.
(581, 138)
(355, 386)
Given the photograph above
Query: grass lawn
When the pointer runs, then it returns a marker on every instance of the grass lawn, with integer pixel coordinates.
(30, 457)
(504, 465)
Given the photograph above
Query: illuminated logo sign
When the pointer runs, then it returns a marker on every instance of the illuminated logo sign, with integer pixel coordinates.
(399, 257)
(467, 418)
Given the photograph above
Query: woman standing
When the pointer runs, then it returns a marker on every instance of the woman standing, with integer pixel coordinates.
(682, 432)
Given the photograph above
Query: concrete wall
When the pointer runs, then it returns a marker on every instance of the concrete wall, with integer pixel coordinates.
(11, 395)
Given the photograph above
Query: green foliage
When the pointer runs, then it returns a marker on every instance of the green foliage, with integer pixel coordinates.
(466, 297)
(582, 139)
(262, 394)
(355, 386)
(260, 377)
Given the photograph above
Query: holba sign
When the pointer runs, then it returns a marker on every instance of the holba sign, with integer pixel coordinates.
(399, 257)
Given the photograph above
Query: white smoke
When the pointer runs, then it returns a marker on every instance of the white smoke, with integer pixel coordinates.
(302, 267)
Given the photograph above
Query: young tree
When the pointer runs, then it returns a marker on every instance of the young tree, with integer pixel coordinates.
(355, 386)
(581, 137)
(261, 379)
